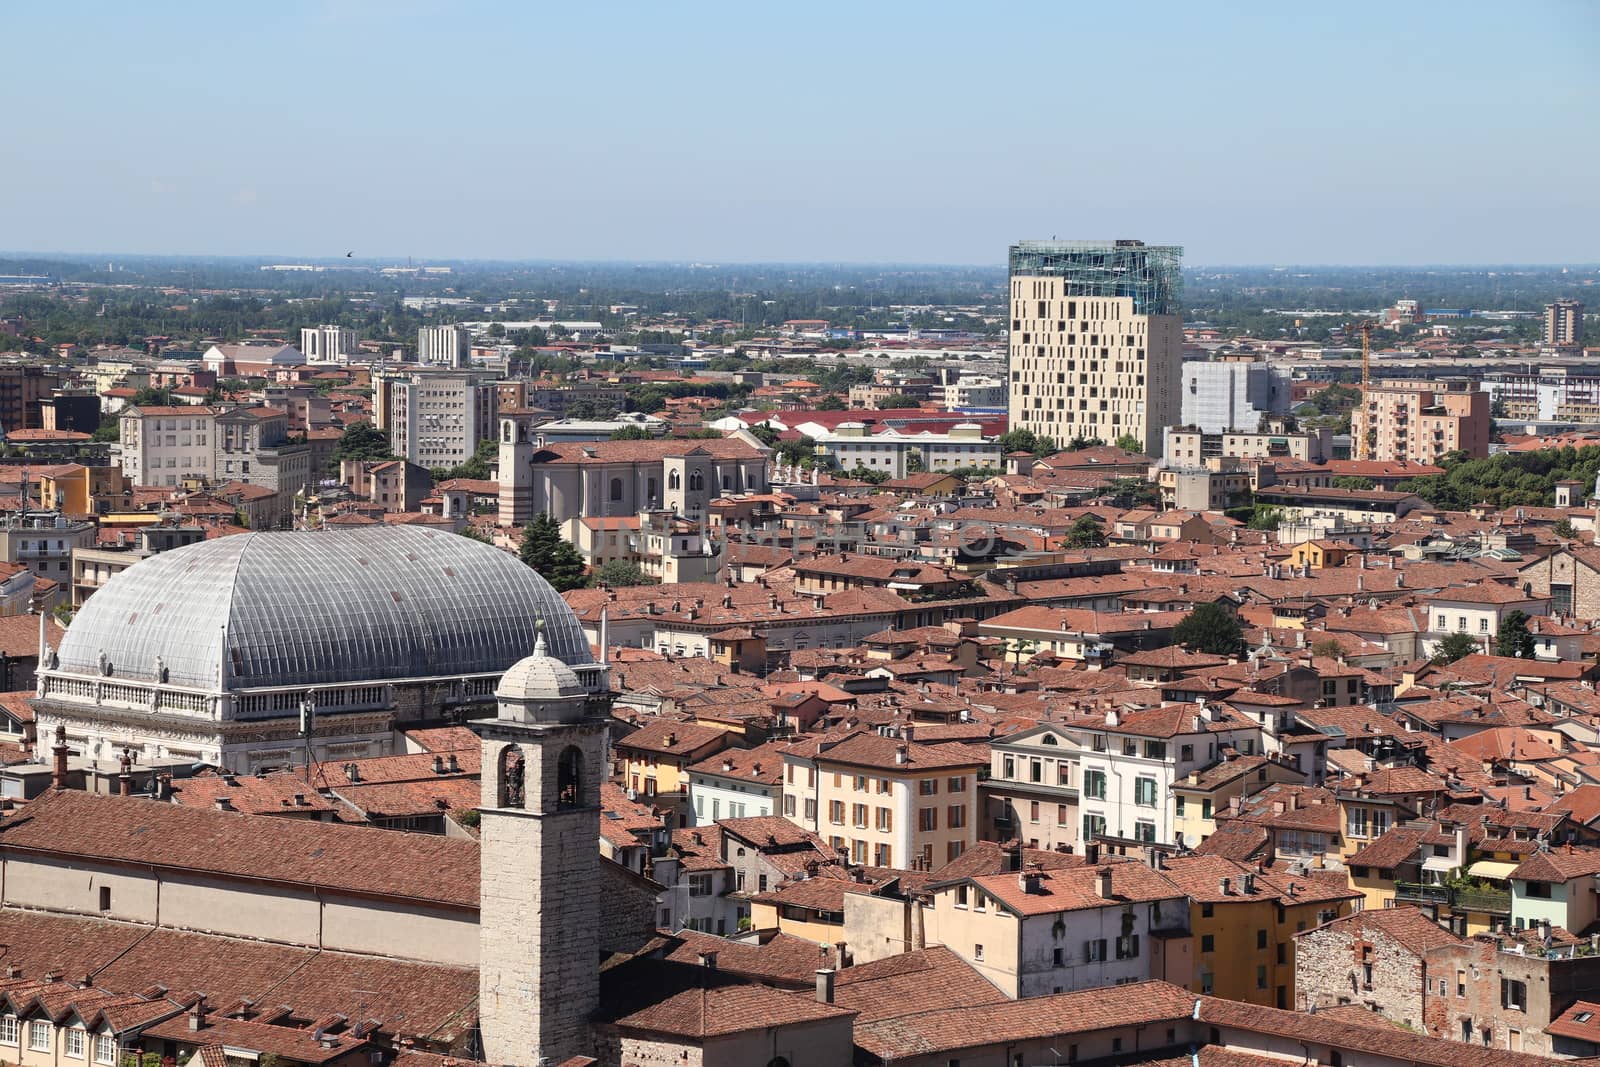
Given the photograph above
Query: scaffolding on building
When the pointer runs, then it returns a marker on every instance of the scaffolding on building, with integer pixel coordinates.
(1151, 274)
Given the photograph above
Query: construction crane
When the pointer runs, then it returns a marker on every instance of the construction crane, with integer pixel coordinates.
(1368, 432)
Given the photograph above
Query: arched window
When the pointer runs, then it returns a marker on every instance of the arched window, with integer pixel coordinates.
(650, 492)
(674, 481)
(509, 431)
(511, 788)
(616, 489)
(569, 779)
(697, 481)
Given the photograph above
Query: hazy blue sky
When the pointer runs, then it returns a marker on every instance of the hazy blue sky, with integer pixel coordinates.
(1341, 132)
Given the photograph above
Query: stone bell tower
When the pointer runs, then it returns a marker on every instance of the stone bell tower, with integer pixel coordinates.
(544, 756)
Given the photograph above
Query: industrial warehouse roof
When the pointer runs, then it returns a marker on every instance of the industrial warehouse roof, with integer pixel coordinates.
(314, 608)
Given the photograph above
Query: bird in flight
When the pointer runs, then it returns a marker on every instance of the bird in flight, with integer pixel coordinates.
(349, 255)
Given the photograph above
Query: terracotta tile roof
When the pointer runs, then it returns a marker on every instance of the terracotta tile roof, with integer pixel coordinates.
(289, 1042)
(875, 752)
(443, 739)
(19, 635)
(1580, 1022)
(769, 831)
(989, 857)
(407, 998)
(1408, 926)
(821, 893)
(643, 451)
(301, 852)
(407, 767)
(673, 738)
(928, 1033)
(1561, 864)
(1581, 804)
(280, 793)
(1077, 888)
(763, 764)
(932, 979)
(393, 800)
(687, 1001)
(1200, 878)
(1400, 1045)
(781, 959)
(1236, 841)
(1395, 847)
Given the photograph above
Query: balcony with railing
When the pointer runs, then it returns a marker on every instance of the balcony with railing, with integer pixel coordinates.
(1489, 901)
(1420, 893)
(1486, 900)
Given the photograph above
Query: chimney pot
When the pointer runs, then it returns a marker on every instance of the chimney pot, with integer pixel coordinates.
(825, 977)
(1103, 882)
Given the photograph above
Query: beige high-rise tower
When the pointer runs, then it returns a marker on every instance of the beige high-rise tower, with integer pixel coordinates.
(1096, 340)
(544, 756)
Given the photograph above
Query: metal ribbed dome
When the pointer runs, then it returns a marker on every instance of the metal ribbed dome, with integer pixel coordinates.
(313, 608)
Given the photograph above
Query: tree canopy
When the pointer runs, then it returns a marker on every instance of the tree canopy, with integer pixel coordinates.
(1085, 532)
(1210, 628)
(621, 572)
(485, 458)
(1025, 440)
(1455, 645)
(361, 441)
(1506, 480)
(553, 556)
(1514, 638)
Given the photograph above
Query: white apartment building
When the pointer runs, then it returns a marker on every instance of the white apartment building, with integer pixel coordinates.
(164, 445)
(444, 346)
(436, 419)
(1128, 766)
(974, 391)
(327, 344)
(964, 447)
(1034, 933)
(1478, 611)
(1095, 340)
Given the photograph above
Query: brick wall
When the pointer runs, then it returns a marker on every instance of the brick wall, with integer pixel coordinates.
(1474, 994)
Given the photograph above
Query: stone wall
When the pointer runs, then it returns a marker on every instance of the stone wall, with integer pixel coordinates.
(1330, 969)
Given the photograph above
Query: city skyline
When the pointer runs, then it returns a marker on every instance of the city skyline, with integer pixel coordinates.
(1375, 136)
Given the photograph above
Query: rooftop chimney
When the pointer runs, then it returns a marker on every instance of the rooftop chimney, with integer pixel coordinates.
(708, 960)
(902, 754)
(1103, 882)
(438, 765)
(58, 777)
(451, 765)
(1091, 853)
(825, 976)
(224, 804)
(1029, 878)
(1224, 885)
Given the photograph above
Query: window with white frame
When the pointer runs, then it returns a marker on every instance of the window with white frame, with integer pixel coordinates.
(105, 1048)
(75, 1042)
(39, 1035)
(8, 1029)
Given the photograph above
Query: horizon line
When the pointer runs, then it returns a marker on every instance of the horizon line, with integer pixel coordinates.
(260, 258)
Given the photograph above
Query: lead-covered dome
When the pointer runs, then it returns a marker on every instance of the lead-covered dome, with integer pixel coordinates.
(331, 606)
